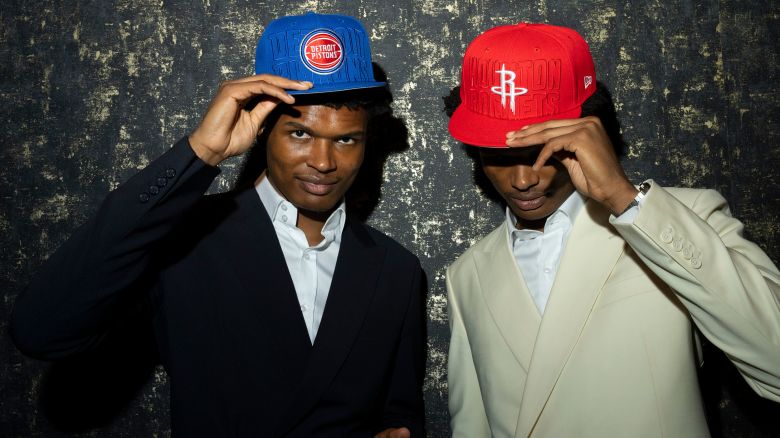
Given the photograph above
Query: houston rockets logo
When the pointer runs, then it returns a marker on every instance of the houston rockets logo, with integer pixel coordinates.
(322, 52)
(508, 88)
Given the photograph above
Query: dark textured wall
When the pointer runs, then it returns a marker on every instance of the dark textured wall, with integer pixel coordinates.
(92, 91)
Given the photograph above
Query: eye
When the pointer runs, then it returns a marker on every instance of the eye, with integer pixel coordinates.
(510, 157)
(298, 133)
(346, 140)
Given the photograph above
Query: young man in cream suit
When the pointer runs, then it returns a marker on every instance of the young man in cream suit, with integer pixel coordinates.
(576, 316)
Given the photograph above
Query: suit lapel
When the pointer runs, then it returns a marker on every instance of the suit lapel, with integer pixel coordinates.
(357, 270)
(590, 255)
(270, 297)
(507, 296)
(262, 316)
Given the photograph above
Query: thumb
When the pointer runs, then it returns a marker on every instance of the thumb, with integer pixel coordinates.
(260, 112)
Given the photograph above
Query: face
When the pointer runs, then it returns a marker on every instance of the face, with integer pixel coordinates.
(314, 153)
(531, 196)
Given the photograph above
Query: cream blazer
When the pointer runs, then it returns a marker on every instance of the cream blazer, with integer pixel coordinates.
(615, 354)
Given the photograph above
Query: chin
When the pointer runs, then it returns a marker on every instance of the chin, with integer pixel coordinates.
(318, 205)
(532, 216)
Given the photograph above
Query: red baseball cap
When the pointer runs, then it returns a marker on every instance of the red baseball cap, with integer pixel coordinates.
(517, 75)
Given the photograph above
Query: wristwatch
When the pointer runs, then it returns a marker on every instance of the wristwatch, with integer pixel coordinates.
(643, 189)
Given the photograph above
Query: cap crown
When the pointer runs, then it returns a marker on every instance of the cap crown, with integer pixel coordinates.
(520, 74)
(331, 51)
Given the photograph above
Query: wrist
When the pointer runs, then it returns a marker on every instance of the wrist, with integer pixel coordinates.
(622, 200)
(204, 153)
(641, 193)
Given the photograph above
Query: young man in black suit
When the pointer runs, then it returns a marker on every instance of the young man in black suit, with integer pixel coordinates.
(275, 313)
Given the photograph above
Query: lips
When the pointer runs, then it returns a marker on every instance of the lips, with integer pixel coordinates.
(529, 203)
(317, 186)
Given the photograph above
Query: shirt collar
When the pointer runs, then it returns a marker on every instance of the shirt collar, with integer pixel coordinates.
(282, 211)
(562, 217)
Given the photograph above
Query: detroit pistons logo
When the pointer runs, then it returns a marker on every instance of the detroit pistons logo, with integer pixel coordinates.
(322, 52)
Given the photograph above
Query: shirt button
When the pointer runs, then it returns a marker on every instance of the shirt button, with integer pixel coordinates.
(284, 218)
(284, 207)
(303, 308)
(547, 270)
(306, 256)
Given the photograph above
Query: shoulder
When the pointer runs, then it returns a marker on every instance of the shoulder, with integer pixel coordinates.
(220, 214)
(214, 208)
(392, 246)
(242, 200)
(489, 243)
(221, 200)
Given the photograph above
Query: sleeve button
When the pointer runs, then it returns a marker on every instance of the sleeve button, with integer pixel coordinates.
(668, 235)
(154, 190)
(170, 173)
(161, 182)
(143, 197)
(687, 250)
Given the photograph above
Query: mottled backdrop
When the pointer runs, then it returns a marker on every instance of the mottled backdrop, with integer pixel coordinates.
(93, 90)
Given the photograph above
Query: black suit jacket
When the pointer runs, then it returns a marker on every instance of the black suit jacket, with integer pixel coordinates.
(226, 316)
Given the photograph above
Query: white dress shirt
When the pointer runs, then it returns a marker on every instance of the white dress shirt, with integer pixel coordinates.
(311, 267)
(537, 253)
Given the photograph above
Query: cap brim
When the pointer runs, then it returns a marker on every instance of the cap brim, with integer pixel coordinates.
(341, 86)
(488, 132)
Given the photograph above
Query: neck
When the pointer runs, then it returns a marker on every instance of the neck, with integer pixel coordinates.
(311, 223)
(537, 224)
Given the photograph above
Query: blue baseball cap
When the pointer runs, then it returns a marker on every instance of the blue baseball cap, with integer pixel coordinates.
(331, 51)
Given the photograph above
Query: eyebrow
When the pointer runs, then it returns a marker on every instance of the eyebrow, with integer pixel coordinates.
(308, 130)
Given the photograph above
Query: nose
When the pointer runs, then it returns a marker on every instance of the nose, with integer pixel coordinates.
(321, 156)
(524, 177)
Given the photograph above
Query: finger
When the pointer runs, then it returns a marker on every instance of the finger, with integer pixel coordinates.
(261, 111)
(537, 127)
(279, 81)
(403, 433)
(522, 138)
(558, 144)
(243, 91)
(542, 158)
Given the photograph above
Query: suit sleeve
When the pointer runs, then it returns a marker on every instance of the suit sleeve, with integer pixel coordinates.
(728, 284)
(467, 410)
(72, 299)
(404, 406)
